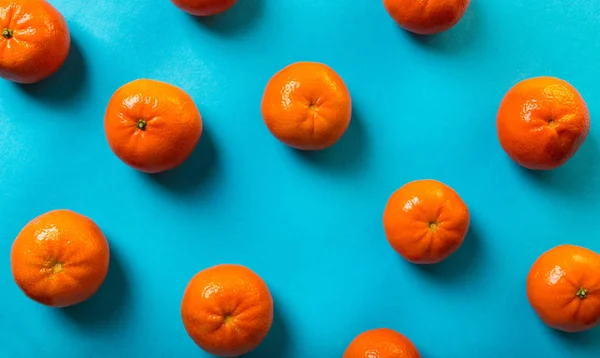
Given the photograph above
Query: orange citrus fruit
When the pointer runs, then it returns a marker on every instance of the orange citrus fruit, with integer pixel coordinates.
(563, 287)
(307, 106)
(425, 221)
(35, 40)
(227, 310)
(60, 258)
(152, 126)
(381, 343)
(204, 7)
(426, 17)
(542, 122)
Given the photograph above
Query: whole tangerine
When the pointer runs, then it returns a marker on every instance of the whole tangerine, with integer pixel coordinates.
(307, 106)
(152, 126)
(35, 40)
(60, 258)
(425, 221)
(204, 7)
(227, 310)
(381, 343)
(542, 122)
(426, 17)
(563, 287)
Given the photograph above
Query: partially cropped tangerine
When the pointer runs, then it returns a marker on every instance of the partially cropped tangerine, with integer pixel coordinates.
(60, 258)
(204, 7)
(152, 126)
(307, 106)
(34, 41)
(542, 122)
(227, 310)
(425, 221)
(563, 287)
(426, 17)
(381, 343)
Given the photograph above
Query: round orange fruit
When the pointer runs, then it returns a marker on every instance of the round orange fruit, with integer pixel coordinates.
(307, 106)
(425, 221)
(227, 310)
(60, 258)
(542, 122)
(563, 287)
(35, 40)
(204, 7)
(381, 343)
(426, 17)
(152, 126)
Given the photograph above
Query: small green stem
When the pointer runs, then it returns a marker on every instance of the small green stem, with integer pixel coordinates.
(141, 124)
(7, 33)
(433, 226)
(582, 293)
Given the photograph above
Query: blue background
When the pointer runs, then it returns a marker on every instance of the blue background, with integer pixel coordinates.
(308, 223)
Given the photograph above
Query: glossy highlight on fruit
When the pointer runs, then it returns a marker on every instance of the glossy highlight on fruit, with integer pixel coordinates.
(426, 17)
(204, 7)
(381, 343)
(227, 310)
(60, 258)
(307, 106)
(425, 221)
(152, 126)
(563, 287)
(542, 122)
(34, 40)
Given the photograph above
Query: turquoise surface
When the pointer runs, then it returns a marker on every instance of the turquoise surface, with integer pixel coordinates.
(308, 223)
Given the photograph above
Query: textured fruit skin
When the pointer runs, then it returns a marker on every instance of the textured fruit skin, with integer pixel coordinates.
(227, 310)
(425, 221)
(381, 343)
(204, 7)
(426, 17)
(554, 283)
(173, 125)
(60, 258)
(39, 44)
(307, 106)
(542, 122)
